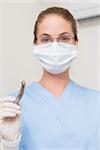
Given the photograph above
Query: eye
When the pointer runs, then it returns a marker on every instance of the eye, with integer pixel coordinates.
(45, 39)
(64, 39)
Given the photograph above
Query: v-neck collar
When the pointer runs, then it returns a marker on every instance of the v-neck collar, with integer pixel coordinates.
(47, 96)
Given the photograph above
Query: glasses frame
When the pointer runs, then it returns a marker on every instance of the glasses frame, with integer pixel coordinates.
(39, 40)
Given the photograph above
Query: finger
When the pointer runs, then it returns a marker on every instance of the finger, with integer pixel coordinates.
(7, 98)
(11, 110)
(8, 114)
(10, 105)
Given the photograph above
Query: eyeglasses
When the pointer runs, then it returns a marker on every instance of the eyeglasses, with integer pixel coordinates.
(62, 38)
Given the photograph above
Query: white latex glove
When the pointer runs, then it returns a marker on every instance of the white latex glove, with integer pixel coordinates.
(9, 119)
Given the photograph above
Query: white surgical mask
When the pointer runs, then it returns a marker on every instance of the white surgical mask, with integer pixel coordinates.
(55, 58)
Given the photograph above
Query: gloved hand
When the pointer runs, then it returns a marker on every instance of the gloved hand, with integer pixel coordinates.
(9, 118)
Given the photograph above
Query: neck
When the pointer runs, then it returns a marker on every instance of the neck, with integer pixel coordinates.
(55, 83)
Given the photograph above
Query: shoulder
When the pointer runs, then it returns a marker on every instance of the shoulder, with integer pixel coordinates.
(85, 91)
(88, 98)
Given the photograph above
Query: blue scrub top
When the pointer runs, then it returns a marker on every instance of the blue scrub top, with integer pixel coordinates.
(70, 122)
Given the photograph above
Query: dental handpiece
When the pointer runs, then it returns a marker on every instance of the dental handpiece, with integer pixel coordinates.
(21, 93)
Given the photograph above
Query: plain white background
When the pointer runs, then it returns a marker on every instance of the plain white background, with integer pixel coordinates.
(16, 34)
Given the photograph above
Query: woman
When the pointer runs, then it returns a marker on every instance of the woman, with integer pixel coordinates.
(57, 113)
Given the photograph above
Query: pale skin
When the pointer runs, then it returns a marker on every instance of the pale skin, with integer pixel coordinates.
(54, 25)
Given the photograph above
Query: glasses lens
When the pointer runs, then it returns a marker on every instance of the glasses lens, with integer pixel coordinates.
(64, 38)
(45, 39)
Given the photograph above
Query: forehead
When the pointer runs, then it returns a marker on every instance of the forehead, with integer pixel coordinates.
(54, 25)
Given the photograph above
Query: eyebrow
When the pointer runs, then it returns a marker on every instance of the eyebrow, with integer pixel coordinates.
(45, 34)
(65, 33)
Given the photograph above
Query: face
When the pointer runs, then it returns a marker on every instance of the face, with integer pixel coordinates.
(55, 28)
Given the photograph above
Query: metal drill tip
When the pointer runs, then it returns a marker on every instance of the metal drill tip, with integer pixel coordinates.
(21, 93)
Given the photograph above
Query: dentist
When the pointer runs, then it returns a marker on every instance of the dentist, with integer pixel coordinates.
(55, 113)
